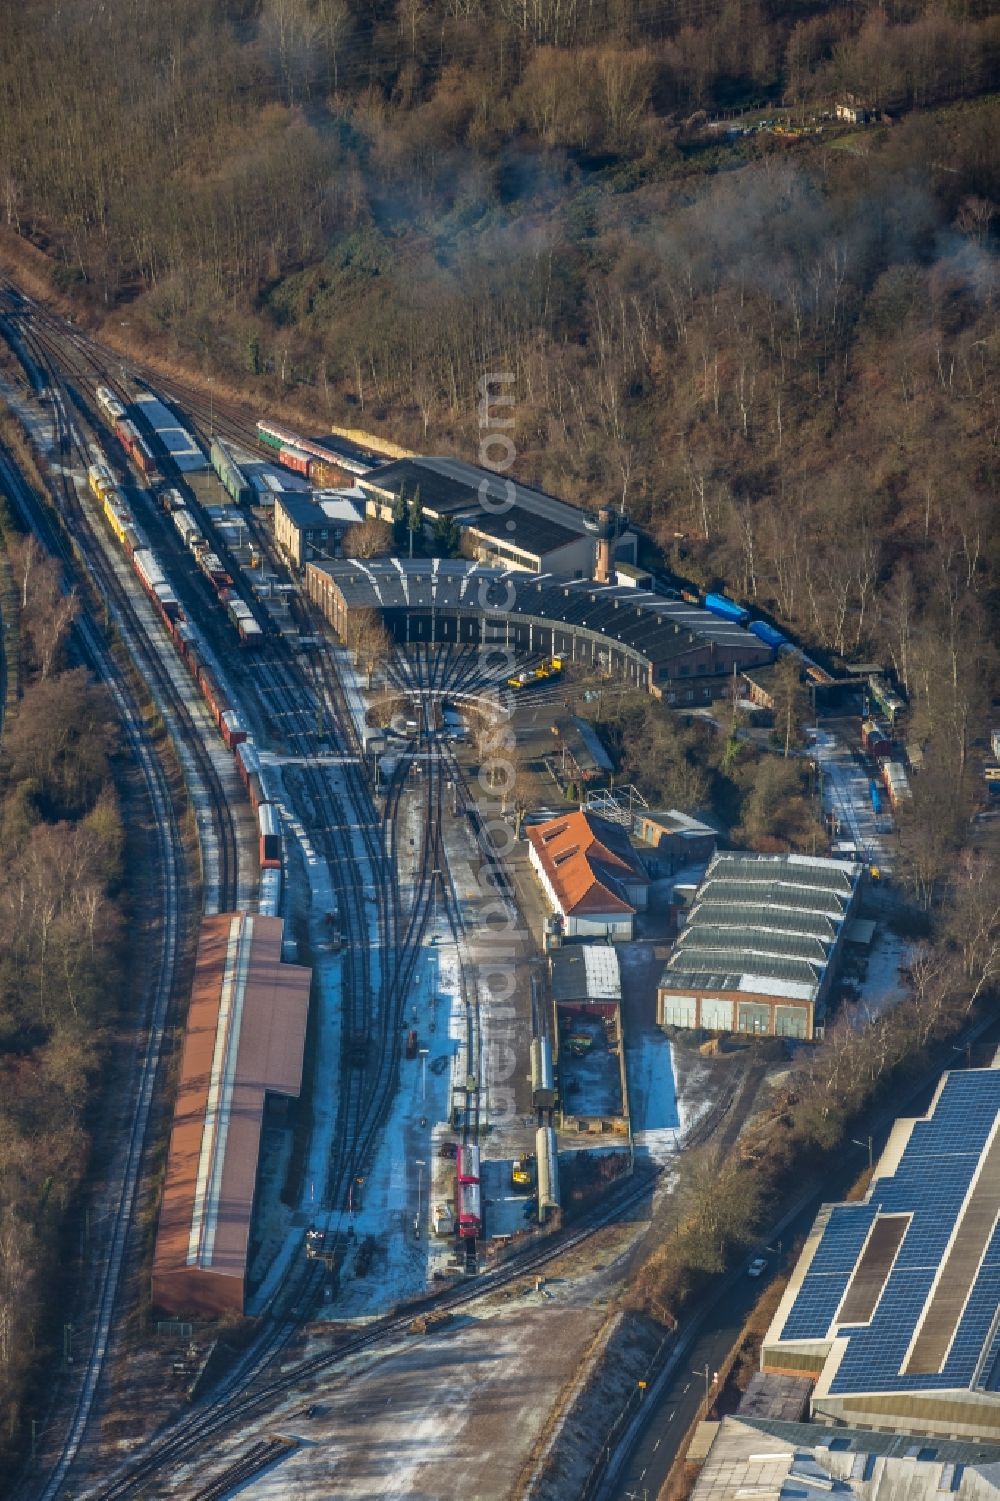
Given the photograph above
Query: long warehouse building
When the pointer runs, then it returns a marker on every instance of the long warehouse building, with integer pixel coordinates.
(634, 635)
(243, 1045)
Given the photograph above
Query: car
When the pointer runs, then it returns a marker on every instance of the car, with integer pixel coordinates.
(757, 1267)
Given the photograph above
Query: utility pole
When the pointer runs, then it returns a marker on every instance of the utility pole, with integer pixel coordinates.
(421, 1164)
(867, 1142)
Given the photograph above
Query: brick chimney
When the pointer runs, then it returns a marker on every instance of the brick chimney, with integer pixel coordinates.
(602, 572)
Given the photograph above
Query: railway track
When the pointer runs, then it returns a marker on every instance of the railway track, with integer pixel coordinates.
(352, 836)
(80, 543)
(144, 638)
(166, 844)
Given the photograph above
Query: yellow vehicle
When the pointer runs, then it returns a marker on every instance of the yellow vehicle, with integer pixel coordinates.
(522, 1173)
(100, 479)
(118, 515)
(531, 676)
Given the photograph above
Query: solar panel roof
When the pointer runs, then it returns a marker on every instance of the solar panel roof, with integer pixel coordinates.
(943, 1156)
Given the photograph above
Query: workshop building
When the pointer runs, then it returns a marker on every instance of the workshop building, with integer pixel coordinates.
(503, 523)
(592, 877)
(676, 650)
(759, 950)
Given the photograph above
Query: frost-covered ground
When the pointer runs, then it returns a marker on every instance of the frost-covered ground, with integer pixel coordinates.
(657, 1125)
(882, 987)
(847, 792)
(393, 1251)
(450, 1415)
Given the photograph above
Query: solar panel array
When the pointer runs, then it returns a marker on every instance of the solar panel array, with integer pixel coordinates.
(931, 1182)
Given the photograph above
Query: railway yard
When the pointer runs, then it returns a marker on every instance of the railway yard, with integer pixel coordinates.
(399, 1265)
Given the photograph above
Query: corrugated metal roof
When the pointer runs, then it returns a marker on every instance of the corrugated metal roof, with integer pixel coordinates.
(763, 924)
(658, 629)
(586, 971)
(244, 1039)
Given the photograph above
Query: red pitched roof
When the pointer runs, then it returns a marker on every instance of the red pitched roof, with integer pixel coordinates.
(586, 858)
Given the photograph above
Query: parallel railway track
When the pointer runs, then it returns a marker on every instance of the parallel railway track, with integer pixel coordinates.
(166, 845)
(355, 840)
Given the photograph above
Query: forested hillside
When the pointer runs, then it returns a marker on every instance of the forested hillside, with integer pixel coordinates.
(60, 977)
(778, 350)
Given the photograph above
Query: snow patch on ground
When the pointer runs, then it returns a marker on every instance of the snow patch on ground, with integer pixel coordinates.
(883, 987)
(393, 1252)
(656, 1118)
(847, 793)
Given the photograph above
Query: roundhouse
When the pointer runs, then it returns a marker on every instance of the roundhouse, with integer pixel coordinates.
(665, 646)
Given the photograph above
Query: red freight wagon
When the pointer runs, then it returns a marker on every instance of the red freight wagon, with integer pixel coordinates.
(270, 837)
(293, 458)
(468, 1210)
(467, 1164)
(232, 729)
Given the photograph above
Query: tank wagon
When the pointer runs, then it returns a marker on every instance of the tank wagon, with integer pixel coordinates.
(543, 1086)
(547, 1157)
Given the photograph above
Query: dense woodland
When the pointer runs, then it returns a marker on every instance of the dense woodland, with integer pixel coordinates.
(778, 352)
(60, 930)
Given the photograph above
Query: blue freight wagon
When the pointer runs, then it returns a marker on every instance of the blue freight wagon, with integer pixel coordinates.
(768, 634)
(728, 609)
(876, 797)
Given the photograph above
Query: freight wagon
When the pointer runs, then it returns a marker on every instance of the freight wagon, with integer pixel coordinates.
(896, 783)
(171, 435)
(136, 447)
(149, 572)
(119, 518)
(768, 634)
(543, 1086)
(187, 530)
(875, 740)
(109, 404)
(248, 766)
(233, 732)
(151, 577)
(100, 480)
(467, 1164)
(270, 837)
(233, 480)
(247, 628)
(727, 609)
(469, 1210)
(211, 565)
(294, 459)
